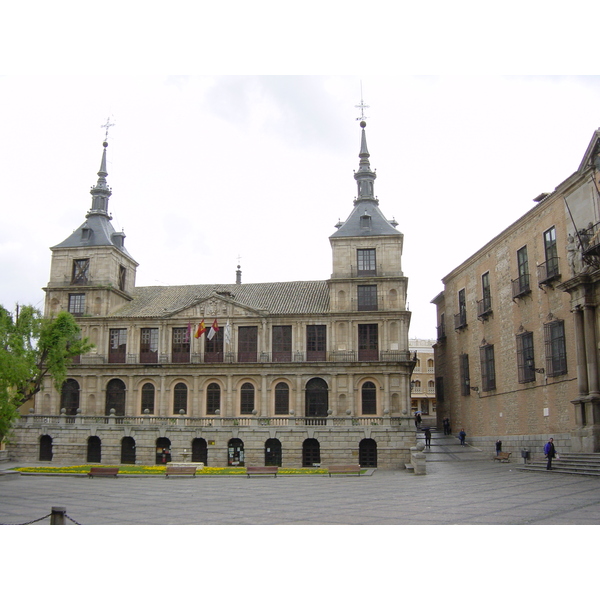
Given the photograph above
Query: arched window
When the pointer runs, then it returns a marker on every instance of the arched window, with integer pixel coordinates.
(272, 453)
(115, 397)
(367, 453)
(45, 447)
(311, 453)
(200, 451)
(148, 393)
(213, 398)
(431, 386)
(180, 395)
(282, 399)
(317, 398)
(128, 451)
(247, 399)
(369, 398)
(69, 397)
(430, 367)
(235, 453)
(94, 449)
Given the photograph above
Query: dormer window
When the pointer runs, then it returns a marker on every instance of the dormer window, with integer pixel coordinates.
(80, 274)
(86, 233)
(365, 222)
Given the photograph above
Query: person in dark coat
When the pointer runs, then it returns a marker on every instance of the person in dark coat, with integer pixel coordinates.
(418, 420)
(462, 436)
(427, 437)
(498, 447)
(550, 453)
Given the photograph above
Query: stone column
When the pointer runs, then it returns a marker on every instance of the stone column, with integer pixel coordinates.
(590, 348)
(582, 373)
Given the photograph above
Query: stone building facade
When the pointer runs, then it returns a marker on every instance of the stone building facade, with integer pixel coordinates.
(422, 385)
(517, 357)
(287, 373)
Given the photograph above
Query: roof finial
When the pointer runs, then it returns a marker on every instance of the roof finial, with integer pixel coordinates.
(106, 126)
(362, 107)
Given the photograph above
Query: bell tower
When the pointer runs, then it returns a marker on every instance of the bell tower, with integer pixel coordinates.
(91, 272)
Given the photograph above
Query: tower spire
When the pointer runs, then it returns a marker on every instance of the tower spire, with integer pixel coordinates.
(364, 177)
(101, 192)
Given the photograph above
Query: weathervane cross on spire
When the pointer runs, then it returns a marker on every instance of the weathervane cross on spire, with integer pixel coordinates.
(106, 126)
(362, 106)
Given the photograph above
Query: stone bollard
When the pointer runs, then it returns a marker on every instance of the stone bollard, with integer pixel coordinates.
(57, 516)
(418, 459)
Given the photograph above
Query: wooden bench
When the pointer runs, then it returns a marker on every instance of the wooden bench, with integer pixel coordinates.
(103, 472)
(503, 456)
(179, 470)
(344, 470)
(262, 471)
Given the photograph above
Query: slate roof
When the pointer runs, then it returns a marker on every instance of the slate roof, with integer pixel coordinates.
(279, 298)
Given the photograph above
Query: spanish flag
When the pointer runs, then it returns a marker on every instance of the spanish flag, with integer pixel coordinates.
(201, 329)
(213, 330)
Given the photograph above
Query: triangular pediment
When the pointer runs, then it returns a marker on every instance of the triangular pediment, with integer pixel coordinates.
(592, 154)
(217, 305)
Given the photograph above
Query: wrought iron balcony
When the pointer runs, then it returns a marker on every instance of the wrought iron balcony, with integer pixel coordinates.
(520, 286)
(484, 307)
(460, 320)
(548, 271)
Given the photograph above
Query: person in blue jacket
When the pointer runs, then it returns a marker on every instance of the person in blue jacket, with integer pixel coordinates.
(549, 452)
(462, 435)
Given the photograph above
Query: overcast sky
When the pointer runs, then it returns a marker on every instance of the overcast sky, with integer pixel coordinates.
(206, 169)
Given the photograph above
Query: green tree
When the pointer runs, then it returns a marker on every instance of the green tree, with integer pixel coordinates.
(32, 347)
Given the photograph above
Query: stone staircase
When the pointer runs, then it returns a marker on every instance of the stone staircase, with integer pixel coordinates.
(447, 447)
(572, 464)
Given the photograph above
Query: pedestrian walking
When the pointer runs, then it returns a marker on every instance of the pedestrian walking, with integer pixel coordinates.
(418, 420)
(550, 453)
(462, 436)
(498, 447)
(445, 423)
(427, 437)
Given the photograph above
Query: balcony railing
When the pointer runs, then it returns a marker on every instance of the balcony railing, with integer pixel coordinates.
(210, 421)
(548, 271)
(441, 333)
(257, 357)
(520, 286)
(460, 320)
(484, 307)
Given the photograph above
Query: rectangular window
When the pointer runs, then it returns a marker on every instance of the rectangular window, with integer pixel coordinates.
(80, 274)
(77, 304)
(282, 343)
(556, 350)
(525, 357)
(367, 297)
(521, 284)
(366, 262)
(316, 342)
(247, 344)
(122, 277)
(368, 342)
(117, 351)
(460, 320)
(149, 345)
(213, 349)
(180, 345)
(551, 269)
(465, 380)
(484, 306)
(488, 368)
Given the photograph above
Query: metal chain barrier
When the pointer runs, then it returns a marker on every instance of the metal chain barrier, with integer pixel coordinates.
(42, 518)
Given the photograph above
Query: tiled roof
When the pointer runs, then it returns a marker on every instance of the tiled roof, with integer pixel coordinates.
(286, 297)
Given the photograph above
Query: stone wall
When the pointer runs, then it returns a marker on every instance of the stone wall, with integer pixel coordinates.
(339, 445)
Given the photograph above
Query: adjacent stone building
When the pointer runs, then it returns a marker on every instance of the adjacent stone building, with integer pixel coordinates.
(516, 357)
(289, 373)
(422, 385)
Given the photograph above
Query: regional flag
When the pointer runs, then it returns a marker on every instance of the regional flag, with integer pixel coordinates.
(201, 329)
(213, 330)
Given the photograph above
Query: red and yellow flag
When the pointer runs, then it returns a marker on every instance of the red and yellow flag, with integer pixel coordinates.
(201, 329)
